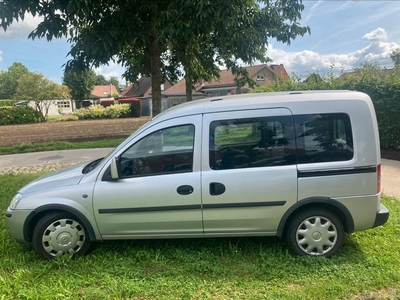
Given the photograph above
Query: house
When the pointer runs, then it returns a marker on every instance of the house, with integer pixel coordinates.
(142, 90)
(225, 85)
(101, 93)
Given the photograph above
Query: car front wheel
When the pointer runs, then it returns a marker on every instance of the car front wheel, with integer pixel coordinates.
(60, 233)
(315, 232)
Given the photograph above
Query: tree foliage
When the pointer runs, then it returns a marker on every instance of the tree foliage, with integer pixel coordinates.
(159, 38)
(42, 91)
(80, 83)
(395, 56)
(9, 79)
(101, 80)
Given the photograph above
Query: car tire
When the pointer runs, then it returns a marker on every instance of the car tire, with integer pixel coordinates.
(315, 232)
(60, 233)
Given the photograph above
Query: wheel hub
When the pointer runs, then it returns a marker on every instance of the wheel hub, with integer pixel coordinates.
(64, 239)
(316, 236)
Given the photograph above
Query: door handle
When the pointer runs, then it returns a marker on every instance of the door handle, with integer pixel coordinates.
(216, 188)
(185, 190)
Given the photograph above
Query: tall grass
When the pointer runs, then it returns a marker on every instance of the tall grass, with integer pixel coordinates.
(368, 267)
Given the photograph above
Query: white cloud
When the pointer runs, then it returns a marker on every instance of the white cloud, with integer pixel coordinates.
(378, 35)
(21, 28)
(112, 69)
(1, 58)
(307, 61)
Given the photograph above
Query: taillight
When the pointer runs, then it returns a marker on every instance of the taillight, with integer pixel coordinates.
(378, 170)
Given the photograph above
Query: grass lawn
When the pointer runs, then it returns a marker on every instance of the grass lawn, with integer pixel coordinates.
(368, 267)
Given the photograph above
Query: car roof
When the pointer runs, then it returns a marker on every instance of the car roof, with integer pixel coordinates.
(291, 100)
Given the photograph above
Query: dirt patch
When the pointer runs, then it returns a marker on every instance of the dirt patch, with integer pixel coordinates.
(86, 130)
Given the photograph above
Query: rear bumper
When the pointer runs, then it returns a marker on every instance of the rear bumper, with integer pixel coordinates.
(382, 215)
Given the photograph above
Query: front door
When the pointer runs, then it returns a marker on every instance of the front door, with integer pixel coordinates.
(249, 176)
(158, 193)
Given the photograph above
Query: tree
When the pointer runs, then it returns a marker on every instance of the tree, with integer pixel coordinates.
(80, 82)
(42, 91)
(157, 38)
(114, 81)
(101, 80)
(395, 56)
(9, 79)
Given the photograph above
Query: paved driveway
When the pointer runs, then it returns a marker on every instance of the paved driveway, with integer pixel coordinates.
(391, 177)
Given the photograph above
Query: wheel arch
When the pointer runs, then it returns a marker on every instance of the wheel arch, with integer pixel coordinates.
(39, 212)
(332, 205)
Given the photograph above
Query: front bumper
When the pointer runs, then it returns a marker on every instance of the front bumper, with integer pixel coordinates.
(382, 215)
(15, 220)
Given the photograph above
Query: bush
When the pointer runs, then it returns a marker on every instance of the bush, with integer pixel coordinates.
(99, 112)
(135, 106)
(7, 102)
(107, 103)
(18, 115)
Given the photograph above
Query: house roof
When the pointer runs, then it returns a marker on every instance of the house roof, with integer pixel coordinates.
(227, 79)
(137, 89)
(101, 91)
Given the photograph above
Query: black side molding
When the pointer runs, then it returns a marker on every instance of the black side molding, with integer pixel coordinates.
(333, 172)
(244, 204)
(187, 207)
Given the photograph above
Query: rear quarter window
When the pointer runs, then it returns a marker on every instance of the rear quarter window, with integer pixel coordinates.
(323, 138)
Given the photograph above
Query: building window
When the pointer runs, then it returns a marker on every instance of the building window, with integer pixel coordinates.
(63, 104)
(260, 77)
(162, 86)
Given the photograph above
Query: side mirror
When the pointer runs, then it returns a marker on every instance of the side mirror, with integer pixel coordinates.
(114, 168)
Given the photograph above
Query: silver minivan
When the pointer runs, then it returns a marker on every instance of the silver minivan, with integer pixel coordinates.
(300, 165)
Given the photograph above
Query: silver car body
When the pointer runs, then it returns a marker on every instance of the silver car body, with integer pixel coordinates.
(238, 201)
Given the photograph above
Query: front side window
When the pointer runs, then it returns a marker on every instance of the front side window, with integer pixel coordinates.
(165, 151)
(252, 142)
(323, 138)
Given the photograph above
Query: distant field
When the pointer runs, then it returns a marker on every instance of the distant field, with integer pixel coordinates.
(87, 130)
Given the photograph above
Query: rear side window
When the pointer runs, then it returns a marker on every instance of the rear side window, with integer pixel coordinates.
(323, 138)
(251, 143)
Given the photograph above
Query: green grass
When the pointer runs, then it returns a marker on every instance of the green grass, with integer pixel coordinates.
(368, 267)
(49, 146)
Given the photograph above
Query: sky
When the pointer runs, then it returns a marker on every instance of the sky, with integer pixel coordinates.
(344, 35)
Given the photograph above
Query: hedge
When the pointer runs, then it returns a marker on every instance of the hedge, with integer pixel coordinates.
(10, 115)
(135, 106)
(100, 112)
(7, 102)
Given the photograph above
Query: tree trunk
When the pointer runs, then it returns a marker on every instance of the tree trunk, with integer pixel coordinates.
(189, 91)
(155, 57)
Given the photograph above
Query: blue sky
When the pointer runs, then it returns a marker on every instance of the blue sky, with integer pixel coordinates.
(344, 34)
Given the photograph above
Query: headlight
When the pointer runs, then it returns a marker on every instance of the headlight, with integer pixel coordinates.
(15, 201)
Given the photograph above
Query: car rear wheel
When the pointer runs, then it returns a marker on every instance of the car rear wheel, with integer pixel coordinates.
(315, 232)
(60, 233)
